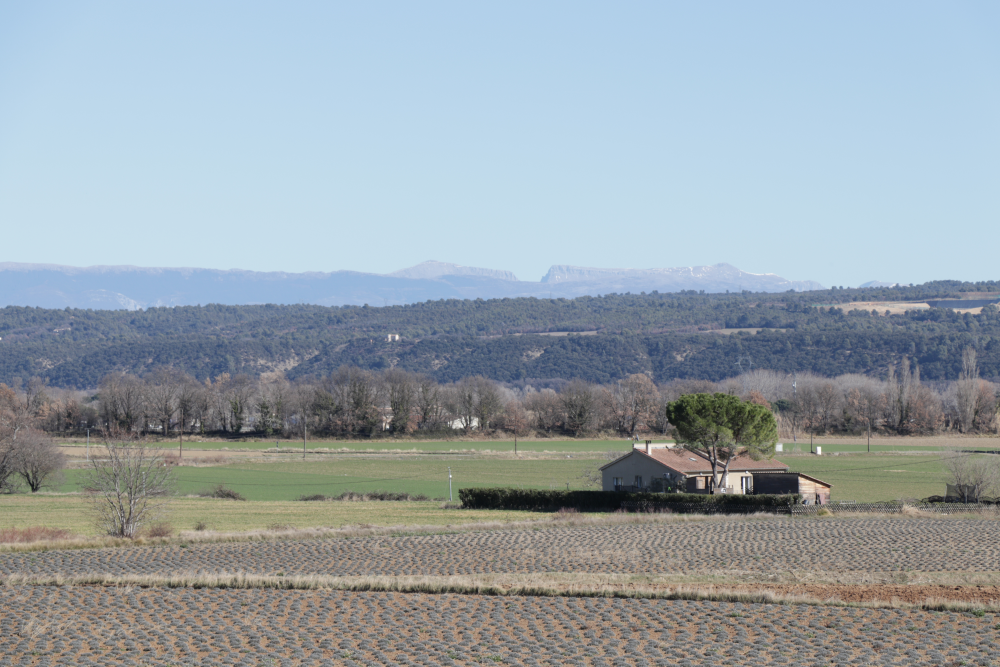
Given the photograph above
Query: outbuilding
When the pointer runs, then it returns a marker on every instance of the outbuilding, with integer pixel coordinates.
(664, 467)
(813, 491)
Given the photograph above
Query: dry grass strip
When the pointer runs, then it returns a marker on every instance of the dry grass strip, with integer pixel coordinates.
(539, 587)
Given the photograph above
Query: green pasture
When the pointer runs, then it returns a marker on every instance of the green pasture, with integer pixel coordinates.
(861, 477)
(869, 478)
(289, 480)
(71, 512)
(900, 445)
(405, 445)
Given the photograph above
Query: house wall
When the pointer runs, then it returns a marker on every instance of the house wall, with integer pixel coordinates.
(813, 493)
(735, 485)
(631, 465)
(776, 483)
(790, 482)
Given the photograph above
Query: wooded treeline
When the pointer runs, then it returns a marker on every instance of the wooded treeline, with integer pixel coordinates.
(665, 336)
(353, 402)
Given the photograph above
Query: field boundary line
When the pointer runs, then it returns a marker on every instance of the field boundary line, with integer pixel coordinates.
(751, 594)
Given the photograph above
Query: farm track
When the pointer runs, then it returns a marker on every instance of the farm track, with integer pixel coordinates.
(123, 624)
(751, 546)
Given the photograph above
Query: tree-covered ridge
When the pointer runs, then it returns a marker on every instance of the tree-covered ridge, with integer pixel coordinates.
(664, 335)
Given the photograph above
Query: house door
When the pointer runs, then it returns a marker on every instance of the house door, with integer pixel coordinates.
(745, 484)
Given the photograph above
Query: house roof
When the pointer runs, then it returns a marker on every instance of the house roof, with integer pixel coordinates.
(690, 463)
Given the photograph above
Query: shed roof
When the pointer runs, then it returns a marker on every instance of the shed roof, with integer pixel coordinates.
(809, 477)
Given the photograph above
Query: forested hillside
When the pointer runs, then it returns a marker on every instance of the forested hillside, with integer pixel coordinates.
(665, 335)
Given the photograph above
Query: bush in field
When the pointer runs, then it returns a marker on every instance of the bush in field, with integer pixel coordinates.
(161, 529)
(368, 495)
(222, 492)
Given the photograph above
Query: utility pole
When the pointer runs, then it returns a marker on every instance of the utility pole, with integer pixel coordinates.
(795, 407)
(449, 485)
(304, 427)
(88, 444)
(180, 435)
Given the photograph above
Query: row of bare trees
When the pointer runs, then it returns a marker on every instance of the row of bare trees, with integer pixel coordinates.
(28, 456)
(352, 402)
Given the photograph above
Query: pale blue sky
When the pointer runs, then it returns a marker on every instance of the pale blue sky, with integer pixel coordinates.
(838, 142)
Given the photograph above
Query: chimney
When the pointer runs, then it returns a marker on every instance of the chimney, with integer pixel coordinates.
(649, 447)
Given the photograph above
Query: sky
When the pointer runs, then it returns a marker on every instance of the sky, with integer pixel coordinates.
(837, 142)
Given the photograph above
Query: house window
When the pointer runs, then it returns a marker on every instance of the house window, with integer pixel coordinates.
(618, 483)
(745, 486)
(638, 481)
(699, 482)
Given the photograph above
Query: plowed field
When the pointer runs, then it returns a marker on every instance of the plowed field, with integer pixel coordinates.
(108, 626)
(762, 545)
(131, 625)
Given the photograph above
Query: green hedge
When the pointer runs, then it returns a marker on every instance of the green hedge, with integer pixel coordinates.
(604, 501)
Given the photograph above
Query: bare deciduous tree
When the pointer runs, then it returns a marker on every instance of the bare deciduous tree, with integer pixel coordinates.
(489, 402)
(975, 401)
(430, 403)
(37, 459)
(546, 409)
(974, 476)
(128, 483)
(123, 401)
(579, 403)
(162, 388)
(515, 418)
(631, 402)
(402, 392)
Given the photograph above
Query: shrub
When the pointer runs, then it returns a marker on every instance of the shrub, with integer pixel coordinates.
(200, 526)
(367, 495)
(223, 492)
(31, 534)
(162, 529)
(607, 501)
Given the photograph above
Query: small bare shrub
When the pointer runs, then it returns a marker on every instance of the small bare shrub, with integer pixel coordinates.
(161, 529)
(32, 534)
(200, 526)
(128, 486)
(280, 527)
(223, 492)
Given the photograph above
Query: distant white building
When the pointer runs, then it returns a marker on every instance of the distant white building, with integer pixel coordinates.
(391, 338)
(458, 425)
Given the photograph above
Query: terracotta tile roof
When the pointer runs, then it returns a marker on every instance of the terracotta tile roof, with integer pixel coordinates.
(687, 462)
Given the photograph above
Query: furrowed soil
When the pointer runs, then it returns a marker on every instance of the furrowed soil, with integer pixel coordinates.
(107, 626)
(602, 596)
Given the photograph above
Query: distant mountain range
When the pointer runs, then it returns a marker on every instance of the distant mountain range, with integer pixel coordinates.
(133, 288)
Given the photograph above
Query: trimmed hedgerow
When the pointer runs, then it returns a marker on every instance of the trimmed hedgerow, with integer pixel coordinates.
(497, 498)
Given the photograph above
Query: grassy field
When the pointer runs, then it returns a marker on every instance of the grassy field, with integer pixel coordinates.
(875, 477)
(860, 477)
(272, 487)
(70, 512)
(290, 479)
